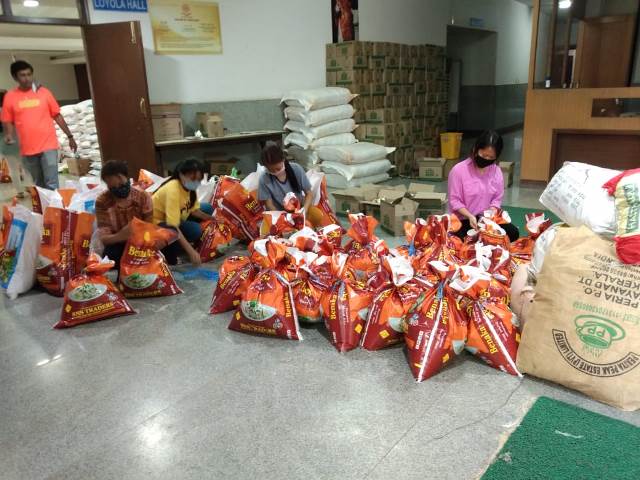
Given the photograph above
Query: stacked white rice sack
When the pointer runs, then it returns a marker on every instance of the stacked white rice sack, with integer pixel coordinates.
(354, 165)
(82, 123)
(316, 118)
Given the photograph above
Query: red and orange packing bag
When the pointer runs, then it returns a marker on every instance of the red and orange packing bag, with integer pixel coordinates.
(365, 249)
(345, 310)
(267, 306)
(64, 248)
(320, 214)
(235, 275)
(384, 325)
(314, 279)
(235, 206)
(279, 223)
(214, 241)
(435, 331)
(492, 335)
(441, 246)
(143, 269)
(522, 249)
(91, 296)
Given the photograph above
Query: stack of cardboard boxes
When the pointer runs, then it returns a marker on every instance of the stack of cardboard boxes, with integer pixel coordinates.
(402, 92)
(392, 206)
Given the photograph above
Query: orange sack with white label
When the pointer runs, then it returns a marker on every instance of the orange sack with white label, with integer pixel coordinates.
(91, 296)
(143, 269)
(267, 306)
(626, 190)
(64, 248)
(235, 276)
(214, 240)
(234, 205)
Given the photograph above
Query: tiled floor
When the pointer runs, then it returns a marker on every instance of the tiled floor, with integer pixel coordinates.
(170, 393)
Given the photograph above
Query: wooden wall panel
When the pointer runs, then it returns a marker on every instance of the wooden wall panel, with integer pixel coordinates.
(567, 109)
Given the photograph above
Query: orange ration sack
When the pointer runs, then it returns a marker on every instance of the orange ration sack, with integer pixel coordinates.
(291, 202)
(308, 292)
(143, 269)
(435, 331)
(441, 247)
(320, 213)
(148, 181)
(235, 205)
(492, 335)
(64, 248)
(235, 275)
(345, 310)
(625, 188)
(90, 296)
(267, 306)
(365, 249)
(279, 223)
(214, 241)
(491, 233)
(497, 215)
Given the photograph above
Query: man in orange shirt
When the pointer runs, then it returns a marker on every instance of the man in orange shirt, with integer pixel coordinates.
(30, 110)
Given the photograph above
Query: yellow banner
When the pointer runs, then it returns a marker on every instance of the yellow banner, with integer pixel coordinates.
(185, 27)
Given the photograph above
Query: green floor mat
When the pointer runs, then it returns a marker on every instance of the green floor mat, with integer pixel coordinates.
(518, 213)
(562, 442)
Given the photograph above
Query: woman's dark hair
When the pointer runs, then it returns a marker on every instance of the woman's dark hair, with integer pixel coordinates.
(18, 66)
(488, 138)
(112, 168)
(272, 154)
(185, 167)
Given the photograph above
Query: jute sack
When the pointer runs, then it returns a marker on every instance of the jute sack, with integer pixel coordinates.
(584, 326)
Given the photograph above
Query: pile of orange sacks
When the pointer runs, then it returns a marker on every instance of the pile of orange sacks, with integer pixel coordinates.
(437, 294)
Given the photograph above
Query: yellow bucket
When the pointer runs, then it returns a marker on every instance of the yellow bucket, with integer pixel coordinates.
(450, 145)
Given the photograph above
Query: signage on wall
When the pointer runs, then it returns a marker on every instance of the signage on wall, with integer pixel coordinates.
(188, 27)
(121, 5)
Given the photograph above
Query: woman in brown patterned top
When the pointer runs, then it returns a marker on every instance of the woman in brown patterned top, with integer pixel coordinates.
(116, 207)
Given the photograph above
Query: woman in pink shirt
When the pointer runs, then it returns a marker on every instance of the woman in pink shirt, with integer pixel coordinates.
(476, 184)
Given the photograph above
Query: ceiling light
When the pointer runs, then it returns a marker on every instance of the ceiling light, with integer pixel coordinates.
(564, 4)
(31, 3)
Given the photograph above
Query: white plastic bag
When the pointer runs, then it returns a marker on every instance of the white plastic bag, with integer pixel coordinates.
(361, 152)
(543, 242)
(298, 139)
(575, 194)
(318, 98)
(252, 181)
(335, 180)
(206, 188)
(318, 117)
(313, 133)
(85, 201)
(19, 255)
(357, 171)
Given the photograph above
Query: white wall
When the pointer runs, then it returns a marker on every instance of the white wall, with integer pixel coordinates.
(269, 47)
(60, 79)
(412, 22)
(512, 21)
(476, 49)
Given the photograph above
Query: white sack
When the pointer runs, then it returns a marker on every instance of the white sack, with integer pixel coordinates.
(357, 171)
(300, 140)
(313, 133)
(318, 117)
(318, 98)
(335, 180)
(360, 152)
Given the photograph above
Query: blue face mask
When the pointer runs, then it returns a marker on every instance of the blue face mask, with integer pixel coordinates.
(191, 185)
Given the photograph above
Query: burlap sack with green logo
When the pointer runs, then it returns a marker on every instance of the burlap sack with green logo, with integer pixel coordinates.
(584, 326)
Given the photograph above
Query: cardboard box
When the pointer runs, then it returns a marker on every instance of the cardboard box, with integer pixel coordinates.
(222, 168)
(167, 128)
(371, 208)
(353, 62)
(78, 166)
(360, 88)
(507, 172)
(377, 101)
(448, 166)
(395, 210)
(429, 202)
(333, 65)
(380, 115)
(379, 49)
(210, 124)
(431, 168)
(376, 62)
(332, 79)
(378, 88)
(349, 49)
(395, 49)
(391, 63)
(406, 113)
(393, 90)
(166, 110)
(331, 50)
(377, 76)
(349, 77)
(381, 130)
(348, 201)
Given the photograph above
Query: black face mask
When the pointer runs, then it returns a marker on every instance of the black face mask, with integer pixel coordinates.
(483, 162)
(121, 191)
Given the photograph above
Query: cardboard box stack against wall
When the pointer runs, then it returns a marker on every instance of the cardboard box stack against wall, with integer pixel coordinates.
(402, 95)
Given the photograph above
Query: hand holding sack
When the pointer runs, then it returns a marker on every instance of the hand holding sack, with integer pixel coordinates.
(235, 276)
(214, 241)
(143, 269)
(291, 202)
(492, 335)
(91, 296)
(267, 306)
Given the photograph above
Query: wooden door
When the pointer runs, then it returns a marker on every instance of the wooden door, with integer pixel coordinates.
(115, 60)
(603, 53)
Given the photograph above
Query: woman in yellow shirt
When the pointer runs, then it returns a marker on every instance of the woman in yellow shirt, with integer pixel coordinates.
(176, 206)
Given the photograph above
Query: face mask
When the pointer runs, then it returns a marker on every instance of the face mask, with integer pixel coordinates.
(121, 191)
(279, 172)
(482, 162)
(191, 185)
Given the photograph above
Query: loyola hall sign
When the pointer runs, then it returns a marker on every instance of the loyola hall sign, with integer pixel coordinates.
(121, 5)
